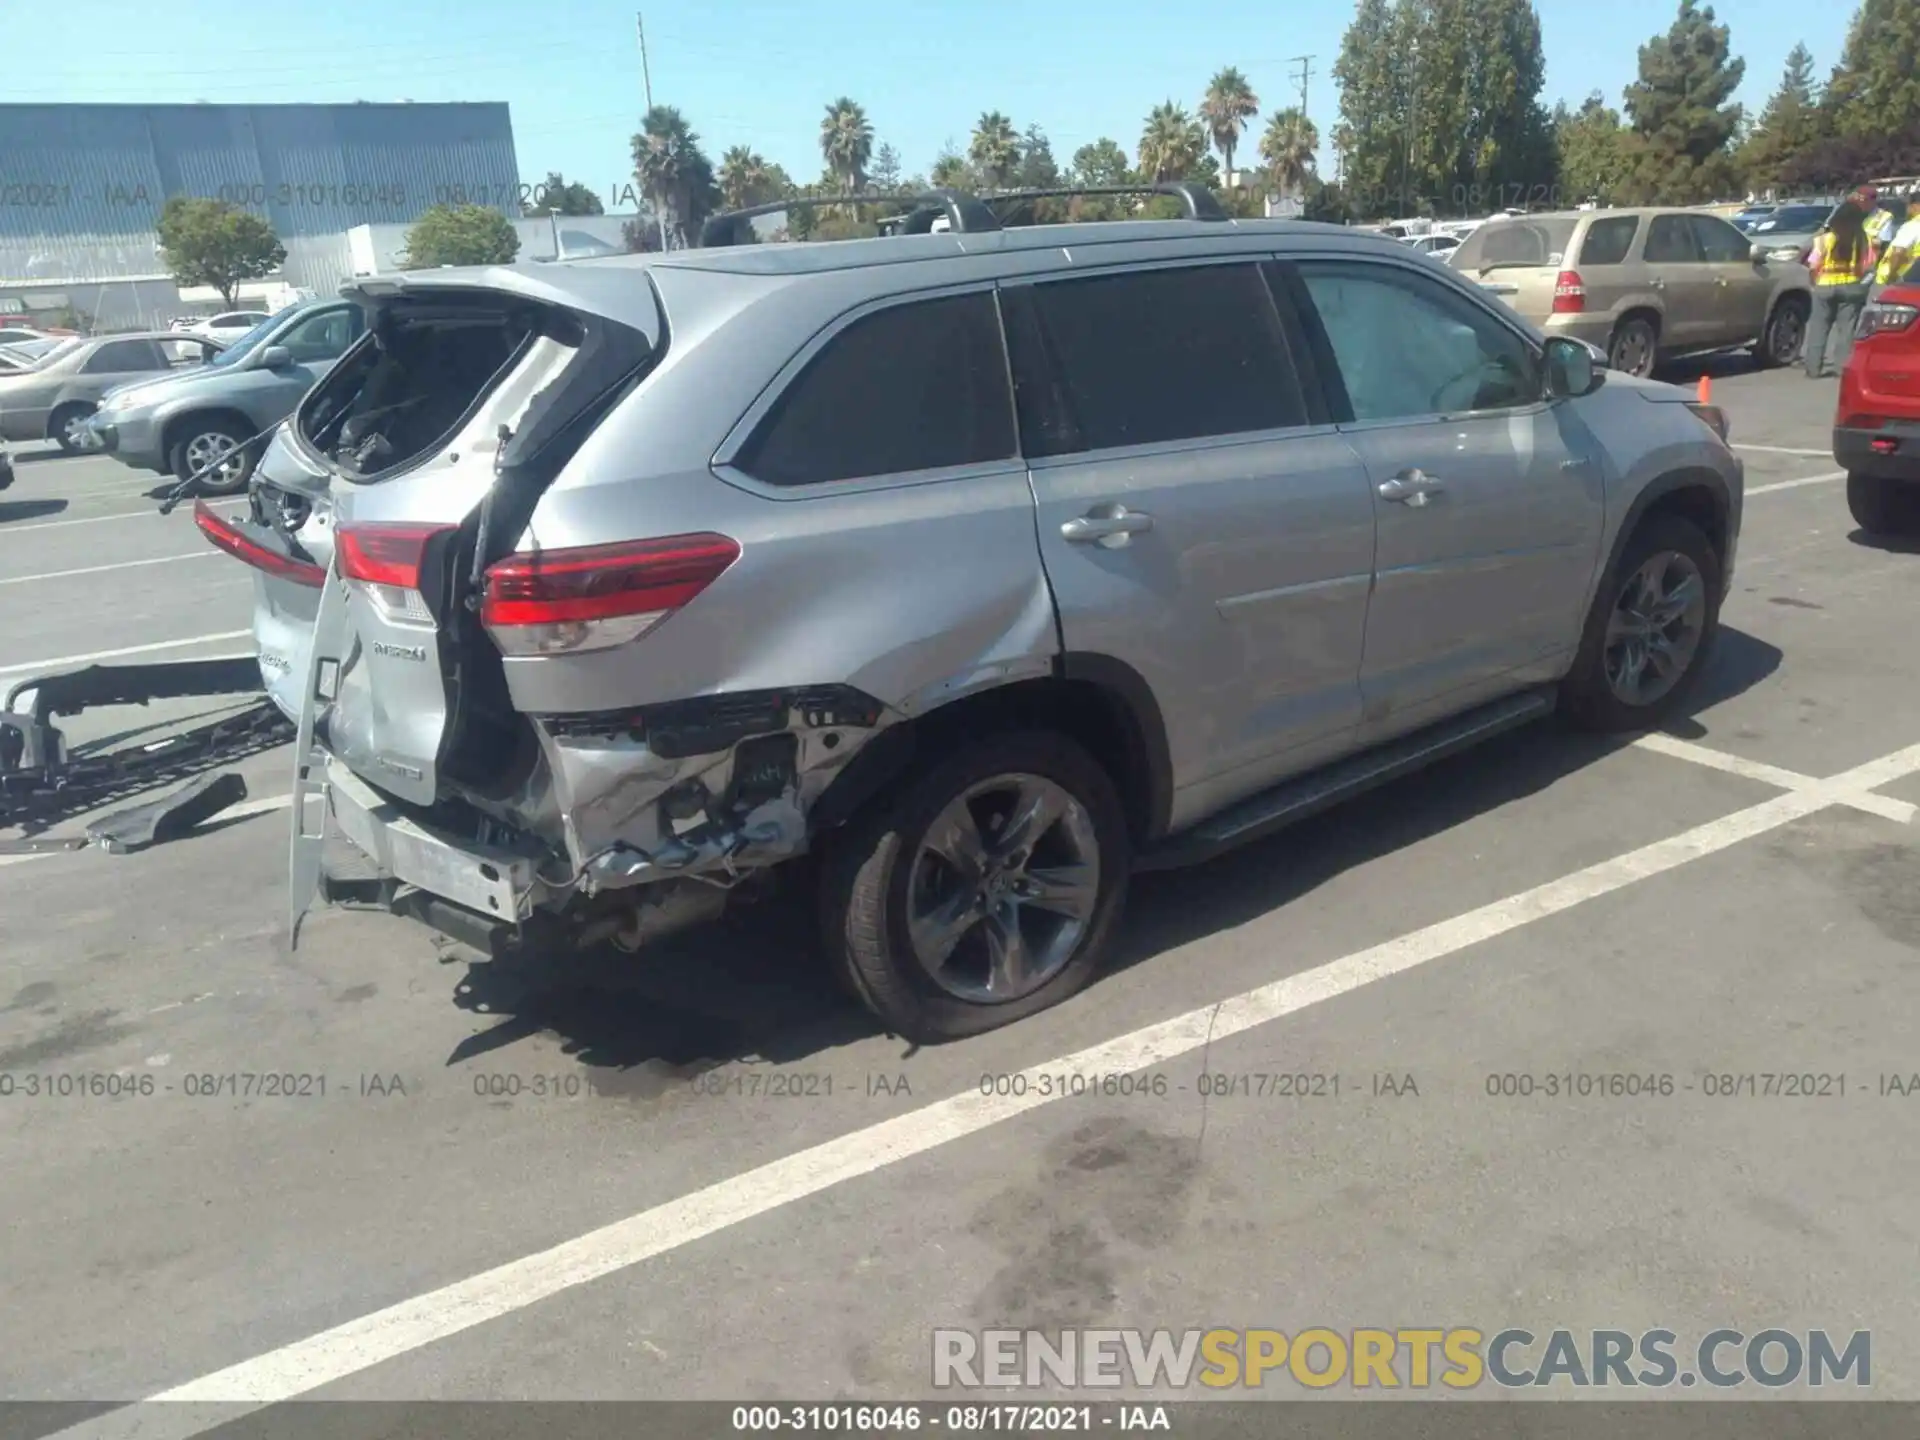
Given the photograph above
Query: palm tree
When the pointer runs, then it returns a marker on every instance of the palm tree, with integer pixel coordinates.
(1171, 144)
(846, 142)
(995, 149)
(1227, 107)
(744, 178)
(950, 171)
(673, 171)
(1287, 148)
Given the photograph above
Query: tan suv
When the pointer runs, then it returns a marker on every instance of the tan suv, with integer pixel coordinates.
(1643, 285)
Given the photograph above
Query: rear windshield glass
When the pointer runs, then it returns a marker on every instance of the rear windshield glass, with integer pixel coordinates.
(1539, 241)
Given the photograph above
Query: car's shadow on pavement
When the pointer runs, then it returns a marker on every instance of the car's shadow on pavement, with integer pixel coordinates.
(1890, 544)
(13, 511)
(754, 987)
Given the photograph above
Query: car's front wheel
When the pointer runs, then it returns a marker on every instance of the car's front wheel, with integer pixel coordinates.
(1881, 506)
(67, 427)
(983, 890)
(1650, 630)
(217, 444)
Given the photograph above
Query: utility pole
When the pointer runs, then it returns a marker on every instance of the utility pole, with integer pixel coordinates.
(1305, 62)
(646, 79)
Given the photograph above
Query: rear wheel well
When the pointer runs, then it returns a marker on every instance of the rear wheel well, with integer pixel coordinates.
(180, 426)
(1097, 717)
(1640, 312)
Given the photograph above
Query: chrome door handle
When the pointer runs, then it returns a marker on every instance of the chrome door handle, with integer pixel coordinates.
(1658, 283)
(1410, 487)
(1108, 525)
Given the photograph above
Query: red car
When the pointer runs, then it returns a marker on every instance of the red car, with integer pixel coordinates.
(1876, 431)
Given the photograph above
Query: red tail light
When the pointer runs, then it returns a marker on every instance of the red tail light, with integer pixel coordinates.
(382, 561)
(565, 601)
(1882, 318)
(1569, 293)
(223, 534)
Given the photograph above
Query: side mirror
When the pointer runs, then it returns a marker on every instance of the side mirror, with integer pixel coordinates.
(276, 357)
(1571, 369)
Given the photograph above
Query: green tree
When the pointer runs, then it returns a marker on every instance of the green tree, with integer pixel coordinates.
(745, 179)
(1171, 144)
(1592, 149)
(209, 242)
(1100, 164)
(846, 142)
(461, 235)
(1683, 112)
(994, 149)
(1373, 133)
(675, 173)
(558, 196)
(950, 170)
(1789, 124)
(1287, 149)
(1506, 150)
(1875, 90)
(1226, 109)
(886, 169)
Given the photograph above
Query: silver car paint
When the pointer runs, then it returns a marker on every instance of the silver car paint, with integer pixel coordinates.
(1272, 635)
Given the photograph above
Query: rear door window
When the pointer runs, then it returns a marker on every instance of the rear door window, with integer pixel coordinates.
(120, 357)
(917, 386)
(1670, 241)
(1719, 241)
(1608, 241)
(1152, 357)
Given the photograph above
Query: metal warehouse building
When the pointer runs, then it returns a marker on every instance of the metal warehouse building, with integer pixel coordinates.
(81, 187)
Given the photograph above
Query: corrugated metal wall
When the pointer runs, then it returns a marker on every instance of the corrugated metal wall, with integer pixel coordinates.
(81, 186)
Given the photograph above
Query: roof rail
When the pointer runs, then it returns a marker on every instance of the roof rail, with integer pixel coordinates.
(963, 213)
(1201, 203)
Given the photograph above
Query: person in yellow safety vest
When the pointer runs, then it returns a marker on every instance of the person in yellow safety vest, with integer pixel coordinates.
(1842, 264)
(1901, 249)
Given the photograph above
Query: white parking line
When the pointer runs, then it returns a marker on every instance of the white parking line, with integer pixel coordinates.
(1898, 811)
(102, 569)
(1828, 477)
(306, 1365)
(60, 662)
(6, 530)
(1781, 450)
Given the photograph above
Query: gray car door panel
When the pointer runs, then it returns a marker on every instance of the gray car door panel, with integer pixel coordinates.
(1489, 515)
(1226, 558)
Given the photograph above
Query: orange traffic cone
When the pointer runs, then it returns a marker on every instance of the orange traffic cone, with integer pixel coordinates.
(1706, 389)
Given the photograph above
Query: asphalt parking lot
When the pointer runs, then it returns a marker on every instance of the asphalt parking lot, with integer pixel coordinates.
(497, 1188)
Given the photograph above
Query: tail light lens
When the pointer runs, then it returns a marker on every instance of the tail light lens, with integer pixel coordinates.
(383, 562)
(223, 534)
(1879, 319)
(558, 602)
(1569, 293)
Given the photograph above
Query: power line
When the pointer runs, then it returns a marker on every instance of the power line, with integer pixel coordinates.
(1305, 62)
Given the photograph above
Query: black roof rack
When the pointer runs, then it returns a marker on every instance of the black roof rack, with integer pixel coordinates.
(963, 213)
(1201, 203)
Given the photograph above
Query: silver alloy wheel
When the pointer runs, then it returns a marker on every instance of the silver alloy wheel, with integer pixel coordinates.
(203, 449)
(78, 436)
(1788, 330)
(1633, 351)
(1655, 629)
(1003, 888)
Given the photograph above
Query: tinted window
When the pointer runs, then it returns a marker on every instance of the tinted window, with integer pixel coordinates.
(1794, 219)
(1608, 241)
(1152, 357)
(1406, 346)
(1538, 241)
(911, 387)
(122, 356)
(321, 337)
(1719, 241)
(1670, 241)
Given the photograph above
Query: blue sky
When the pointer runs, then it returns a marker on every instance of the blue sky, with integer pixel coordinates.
(760, 72)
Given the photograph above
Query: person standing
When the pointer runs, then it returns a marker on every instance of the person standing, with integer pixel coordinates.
(1842, 262)
(1901, 249)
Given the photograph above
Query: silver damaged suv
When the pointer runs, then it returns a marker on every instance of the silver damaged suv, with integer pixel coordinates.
(981, 568)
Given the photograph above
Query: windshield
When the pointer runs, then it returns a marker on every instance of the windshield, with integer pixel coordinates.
(1793, 219)
(26, 350)
(243, 345)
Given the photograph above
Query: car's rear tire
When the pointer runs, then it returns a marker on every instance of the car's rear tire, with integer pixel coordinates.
(198, 445)
(1779, 344)
(925, 902)
(63, 428)
(1634, 346)
(1881, 506)
(1632, 630)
